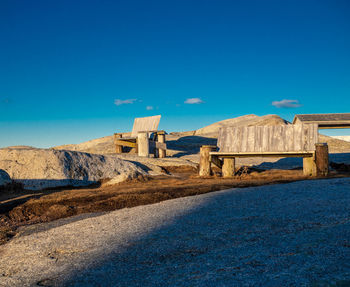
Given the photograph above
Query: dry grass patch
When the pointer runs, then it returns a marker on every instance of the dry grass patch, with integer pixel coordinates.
(54, 204)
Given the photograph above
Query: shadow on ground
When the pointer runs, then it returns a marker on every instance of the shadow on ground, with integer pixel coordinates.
(281, 235)
(14, 194)
(294, 163)
(189, 145)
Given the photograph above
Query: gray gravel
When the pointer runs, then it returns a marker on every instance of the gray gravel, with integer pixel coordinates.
(295, 234)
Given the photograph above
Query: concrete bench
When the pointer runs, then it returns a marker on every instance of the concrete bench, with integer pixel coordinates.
(266, 141)
(140, 139)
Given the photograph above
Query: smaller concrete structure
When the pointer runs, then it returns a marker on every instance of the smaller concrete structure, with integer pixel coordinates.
(140, 135)
(325, 121)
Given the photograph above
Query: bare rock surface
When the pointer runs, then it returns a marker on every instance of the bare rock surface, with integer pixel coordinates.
(102, 145)
(294, 234)
(44, 168)
(343, 138)
(154, 166)
(335, 145)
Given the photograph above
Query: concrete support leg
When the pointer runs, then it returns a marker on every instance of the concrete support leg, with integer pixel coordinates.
(228, 168)
(162, 152)
(143, 144)
(204, 162)
(309, 166)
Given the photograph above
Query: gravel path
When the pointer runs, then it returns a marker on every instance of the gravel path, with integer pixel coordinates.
(295, 234)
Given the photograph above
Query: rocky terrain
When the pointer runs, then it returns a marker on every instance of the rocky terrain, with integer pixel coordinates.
(343, 138)
(95, 160)
(294, 234)
(182, 144)
(45, 168)
(335, 145)
(186, 145)
(298, 232)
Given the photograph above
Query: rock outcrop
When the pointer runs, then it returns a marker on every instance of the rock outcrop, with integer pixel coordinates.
(335, 145)
(343, 138)
(45, 168)
(103, 145)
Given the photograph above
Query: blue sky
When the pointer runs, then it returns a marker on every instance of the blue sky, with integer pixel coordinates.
(71, 71)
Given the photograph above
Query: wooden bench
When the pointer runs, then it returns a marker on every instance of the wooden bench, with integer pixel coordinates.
(266, 141)
(145, 137)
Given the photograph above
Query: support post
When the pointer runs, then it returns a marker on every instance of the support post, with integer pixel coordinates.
(143, 144)
(309, 166)
(161, 139)
(118, 148)
(322, 160)
(204, 162)
(228, 168)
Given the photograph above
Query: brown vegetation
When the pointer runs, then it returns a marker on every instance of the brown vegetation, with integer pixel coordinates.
(18, 208)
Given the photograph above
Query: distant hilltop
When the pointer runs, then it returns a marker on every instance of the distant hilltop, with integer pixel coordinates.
(343, 138)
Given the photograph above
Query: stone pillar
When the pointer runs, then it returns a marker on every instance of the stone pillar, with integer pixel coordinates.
(228, 167)
(204, 162)
(322, 161)
(143, 144)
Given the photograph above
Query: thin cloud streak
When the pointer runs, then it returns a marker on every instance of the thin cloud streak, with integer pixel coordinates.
(286, 104)
(119, 102)
(192, 101)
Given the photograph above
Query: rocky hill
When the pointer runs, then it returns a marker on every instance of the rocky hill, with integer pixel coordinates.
(94, 160)
(343, 138)
(335, 145)
(100, 146)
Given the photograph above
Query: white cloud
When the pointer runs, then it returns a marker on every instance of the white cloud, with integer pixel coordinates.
(192, 101)
(119, 102)
(149, 108)
(286, 104)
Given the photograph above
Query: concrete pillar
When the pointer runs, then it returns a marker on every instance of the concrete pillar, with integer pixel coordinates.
(204, 162)
(309, 166)
(228, 167)
(143, 144)
(161, 139)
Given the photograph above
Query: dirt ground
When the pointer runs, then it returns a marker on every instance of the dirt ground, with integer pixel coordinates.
(20, 207)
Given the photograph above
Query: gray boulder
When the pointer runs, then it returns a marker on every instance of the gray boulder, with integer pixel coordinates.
(45, 168)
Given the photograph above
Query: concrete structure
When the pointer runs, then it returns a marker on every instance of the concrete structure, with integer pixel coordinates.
(325, 121)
